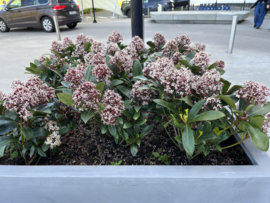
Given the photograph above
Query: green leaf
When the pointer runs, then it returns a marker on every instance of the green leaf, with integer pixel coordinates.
(45, 147)
(164, 159)
(133, 149)
(2, 150)
(101, 106)
(7, 125)
(221, 71)
(258, 137)
(125, 90)
(208, 116)
(7, 140)
(100, 87)
(212, 66)
(228, 101)
(127, 102)
(87, 46)
(137, 108)
(187, 100)
(141, 122)
(127, 114)
(40, 132)
(146, 130)
(112, 130)
(88, 73)
(66, 99)
(257, 120)
(166, 104)
(150, 44)
(137, 68)
(104, 129)
(116, 82)
(178, 139)
(41, 152)
(259, 110)
(14, 155)
(140, 77)
(127, 125)
(86, 115)
(155, 154)
(27, 132)
(185, 63)
(136, 115)
(195, 70)
(188, 140)
(226, 85)
(206, 150)
(222, 137)
(32, 151)
(206, 136)
(191, 55)
(195, 109)
(234, 89)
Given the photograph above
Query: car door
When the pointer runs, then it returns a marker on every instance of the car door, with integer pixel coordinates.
(180, 3)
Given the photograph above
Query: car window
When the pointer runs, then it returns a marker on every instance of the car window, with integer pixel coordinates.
(67, 1)
(15, 4)
(28, 3)
(145, 1)
(42, 2)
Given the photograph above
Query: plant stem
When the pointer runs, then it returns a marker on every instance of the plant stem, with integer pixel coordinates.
(171, 137)
(38, 160)
(234, 144)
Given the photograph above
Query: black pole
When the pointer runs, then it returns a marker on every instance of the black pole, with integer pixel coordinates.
(94, 12)
(244, 5)
(137, 18)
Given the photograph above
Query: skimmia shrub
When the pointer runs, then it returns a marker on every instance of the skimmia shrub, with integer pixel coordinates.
(118, 86)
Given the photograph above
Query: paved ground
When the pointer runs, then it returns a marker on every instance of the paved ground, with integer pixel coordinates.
(250, 59)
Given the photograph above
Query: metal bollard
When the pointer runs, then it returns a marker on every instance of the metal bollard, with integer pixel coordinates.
(82, 11)
(233, 31)
(143, 26)
(160, 8)
(148, 11)
(182, 8)
(56, 25)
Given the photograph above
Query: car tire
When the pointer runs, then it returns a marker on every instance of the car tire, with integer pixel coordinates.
(47, 24)
(3, 26)
(72, 25)
(128, 14)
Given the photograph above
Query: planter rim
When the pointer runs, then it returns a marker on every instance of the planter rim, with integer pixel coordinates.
(261, 170)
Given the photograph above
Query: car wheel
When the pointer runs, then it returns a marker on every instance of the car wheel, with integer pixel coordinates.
(72, 25)
(128, 14)
(3, 26)
(47, 24)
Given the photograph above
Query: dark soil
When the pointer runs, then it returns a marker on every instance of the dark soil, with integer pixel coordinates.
(87, 146)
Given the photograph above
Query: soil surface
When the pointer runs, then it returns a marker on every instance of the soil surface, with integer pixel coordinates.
(87, 146)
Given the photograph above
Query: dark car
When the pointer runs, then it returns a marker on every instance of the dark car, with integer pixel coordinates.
(39, 13)
(168, 5)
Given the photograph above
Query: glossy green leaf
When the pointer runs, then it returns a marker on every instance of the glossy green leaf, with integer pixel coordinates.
(136, 115)
(66, 99)
(100, 87)
(155, 154)
(146, 130)
(221, 71)
(222, 137)
(124, 89)
(187, 100)
(166, 104)
(7, 125)
(137, 108)
(141, 122)
(195, 109)
(257, 120)
(40, 132)
(28, 133)
(6, 140)
(32, 151)
(88, 73)
(101, 106)
(116, 82)
(258, 137)
(185, 63)
(208, 116)
(127, 125)
(41, 152)
(112, 130)
(104, 129)
(137, 68)
(133, 149)
(259, 110)
(195, 70)
(188, 140)
(226, 85)
(127, 114)
(234, 89)
(86, 115)
(228, 101)
(212, 66)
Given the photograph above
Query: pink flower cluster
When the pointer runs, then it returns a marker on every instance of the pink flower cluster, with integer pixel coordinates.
(81, 39)
(113, 107)
(158, 41)
(30, 94)
(131, 51)
(98, 47)
(112, 48)
(86, 97)
(220, 64)
(102, 72)
(115, 37)
(266, 123)
(142, 97)
(66, 43)
(198, 46)
(170, 48)
(254, 92)
(137, 43)
(98, 58)
(56, 46)
(88, 58)
(177, 57)
(2, 96)
(75, 76)
(122, 61)
(201, 60)
(183, 41)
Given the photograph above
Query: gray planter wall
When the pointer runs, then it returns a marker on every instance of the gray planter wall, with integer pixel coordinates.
(138, 184)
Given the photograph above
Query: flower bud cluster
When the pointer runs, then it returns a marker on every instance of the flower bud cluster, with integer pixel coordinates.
(98, 58)
(75, 76)
(158, 40)
(98, 47)
(122, 61)
(137, 43)
(112, 48)
(102, 72)
(113, 107)
(131, 51)
(170, 48)
(254, 92)
(54, 138)
(86, 97)
(177, 57)
(29, 94)
(115, 37)
(142, 97)
(183, 41)
(201, 60)
(2, 96)
(220, 64)
(198, 46)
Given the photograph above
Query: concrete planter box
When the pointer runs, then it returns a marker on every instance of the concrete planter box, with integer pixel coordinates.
(139, 184)
(198, 17)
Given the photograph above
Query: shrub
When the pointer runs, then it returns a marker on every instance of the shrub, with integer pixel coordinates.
(108, 85)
